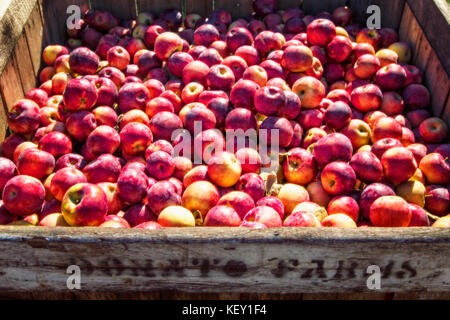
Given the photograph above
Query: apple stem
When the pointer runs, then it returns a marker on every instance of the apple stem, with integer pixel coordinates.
(432, 216)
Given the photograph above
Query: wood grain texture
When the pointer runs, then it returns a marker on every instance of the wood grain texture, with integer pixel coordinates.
(13, 16)
(237, 8)
(10, 83)
(34, 33)
(314, 7)
(3, 121)
(446, 112)
(425, 57)
(24, 64)
(432, 16)
(203, 8)
(123, 9)
(158, 6)
(391, 11)
(218, 260)
(55, 15)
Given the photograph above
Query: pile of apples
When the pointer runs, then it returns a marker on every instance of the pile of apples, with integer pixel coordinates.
(97, 144)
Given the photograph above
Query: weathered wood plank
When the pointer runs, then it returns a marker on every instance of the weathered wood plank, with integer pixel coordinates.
(286, 4)
(3, 122)
(217, 260)
(425, 58)
(55, 17)
(203, 8)
(10, 83)
(446, 112)
(34, 32)
(314, 7)
(123, 9)
(391, 11)
(422, 296)
(24, 64)
(157, 6)
(433, 16)
(13, 16)
(237, 8)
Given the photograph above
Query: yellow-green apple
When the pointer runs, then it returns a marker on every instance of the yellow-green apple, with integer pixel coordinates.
(265, 215)
(339, 220)
(412, 191)
(310, 90)
(358, 132)
(437, 200)
(320, 32)
(300, 167)
(332, 147)
(387, 57)
(403, 51)
(398, 164)
(338, 177)
(291, 195)
(435, 168)
(224, 169)
(297, 58)
(443, 222)
(176, 216)
(390, 211)
(200, 196)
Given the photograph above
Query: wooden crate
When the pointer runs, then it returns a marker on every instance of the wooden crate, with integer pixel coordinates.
(211, 263)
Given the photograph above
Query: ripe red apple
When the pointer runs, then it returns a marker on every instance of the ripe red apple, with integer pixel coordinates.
(338, 178)
(390, 211)
(105, 168)
(320, 32)
(310, 90)
(300, 166)
(23, 195)
(433, 130)
(435, 168)
(265, 215)
(399, 164)
(333, 147)
(222, 216)
(83, 61)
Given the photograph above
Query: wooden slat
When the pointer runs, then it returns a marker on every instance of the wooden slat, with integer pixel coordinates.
(314, 7)
(24, 64)
(34, 32)
(446, 112)
(432, 16)
(237, 8)
(218, 260)
(3, 122)
(286, 4)
(391, 11)
(55, 17)
(422, 296)
(10, 83)
(123, 9)
(425, 57)
(158, 6)
(13, 15)
(203, 8)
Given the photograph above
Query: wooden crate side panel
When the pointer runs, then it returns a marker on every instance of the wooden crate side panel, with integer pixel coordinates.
(158, 6)
(124, 9)
(218, 260)
(314, 7)
(34, 33)
(432, 16)
(203, 8)
(24, 63)
(391, 11)
(446, 112)
(3, 121)
(286, 4)
(237, 8)
(424, 56)
(12, 21)
(10, 83)
(54, 14)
